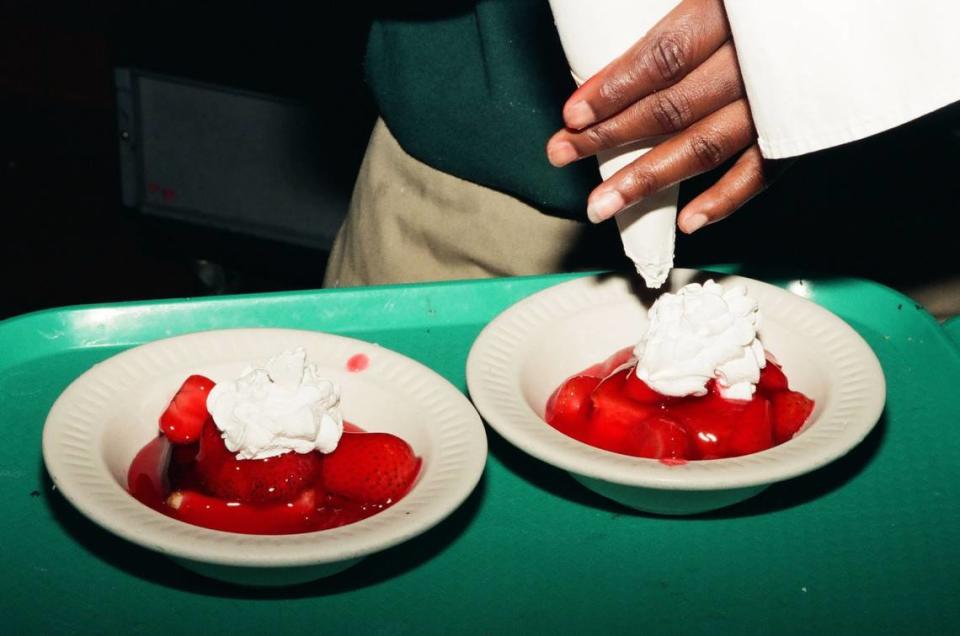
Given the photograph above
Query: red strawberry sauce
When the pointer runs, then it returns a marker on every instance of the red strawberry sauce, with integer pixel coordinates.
(608, 407)
(168, 478)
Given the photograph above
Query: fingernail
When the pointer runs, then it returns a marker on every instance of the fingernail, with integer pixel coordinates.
(579, 115)
(560, 153)
(603, 206)
(694, 222)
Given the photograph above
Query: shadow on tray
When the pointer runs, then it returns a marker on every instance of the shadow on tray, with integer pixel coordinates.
(806, 488)
(155, 568)
(548, 478)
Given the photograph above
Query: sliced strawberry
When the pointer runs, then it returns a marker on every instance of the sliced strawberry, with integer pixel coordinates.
(726, 428)
(659, 437)
(183, 419)
(375, 468)
(772, 379)
(610, 403)
(199, 509)
(637, 389)
(275, 479)
(752, 429)
(613, 415)
(708, 421)
(790, 410)
(569, 406)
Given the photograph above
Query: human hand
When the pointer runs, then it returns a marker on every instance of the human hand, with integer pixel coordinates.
(681, 79)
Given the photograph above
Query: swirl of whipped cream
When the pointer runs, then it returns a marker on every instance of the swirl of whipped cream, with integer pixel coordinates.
(285, 406)
(700, 333)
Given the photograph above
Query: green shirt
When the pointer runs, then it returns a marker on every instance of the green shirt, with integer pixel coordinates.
(475, 89)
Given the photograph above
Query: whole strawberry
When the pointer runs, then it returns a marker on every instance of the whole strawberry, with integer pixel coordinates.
(569, 406)
(790, 411)
(272, 480)
(374, 468)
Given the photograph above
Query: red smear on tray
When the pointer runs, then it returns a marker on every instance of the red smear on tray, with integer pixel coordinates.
(358, 363)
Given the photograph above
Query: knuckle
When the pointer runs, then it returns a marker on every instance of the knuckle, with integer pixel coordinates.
(617, 88)
(757, 178)
(709, 150)
(672, 110)
(726, 205)
(668, 55)
(602, 136)
(643, 182)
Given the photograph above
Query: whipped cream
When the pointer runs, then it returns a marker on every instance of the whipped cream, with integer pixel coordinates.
(284, 406)
(700, 333)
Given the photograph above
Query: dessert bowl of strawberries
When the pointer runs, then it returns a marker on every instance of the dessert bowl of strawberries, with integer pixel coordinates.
(693, 399)
(264, 456)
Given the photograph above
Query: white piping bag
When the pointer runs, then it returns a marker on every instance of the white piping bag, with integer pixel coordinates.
(593, 34)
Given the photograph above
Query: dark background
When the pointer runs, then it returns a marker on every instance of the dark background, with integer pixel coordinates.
(884, 208)
(65, 238)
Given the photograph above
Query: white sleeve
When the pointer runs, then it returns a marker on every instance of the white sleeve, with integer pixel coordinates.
(822, 73)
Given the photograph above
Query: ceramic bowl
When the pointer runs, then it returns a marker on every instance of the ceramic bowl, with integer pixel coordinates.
(107, 414)
(524, 354)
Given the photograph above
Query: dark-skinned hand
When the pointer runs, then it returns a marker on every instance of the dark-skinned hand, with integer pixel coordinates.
(682, 81)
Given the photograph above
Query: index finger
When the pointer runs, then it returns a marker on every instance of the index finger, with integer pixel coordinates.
(677, 44)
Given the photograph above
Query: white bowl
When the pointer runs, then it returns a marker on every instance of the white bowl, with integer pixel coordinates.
(528, 350)
(107, 414)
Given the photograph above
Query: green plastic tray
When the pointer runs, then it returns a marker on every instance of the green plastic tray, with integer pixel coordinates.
(869, 543)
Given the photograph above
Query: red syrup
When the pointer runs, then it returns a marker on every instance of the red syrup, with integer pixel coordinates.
(168, 478)
(608, 407)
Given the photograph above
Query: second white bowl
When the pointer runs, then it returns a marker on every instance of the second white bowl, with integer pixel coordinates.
(531, 348)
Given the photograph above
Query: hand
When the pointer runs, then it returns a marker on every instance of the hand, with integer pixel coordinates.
(681, 79)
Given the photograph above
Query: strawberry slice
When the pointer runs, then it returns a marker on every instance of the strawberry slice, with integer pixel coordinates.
(772, 379)
(374, 468)
(752, 430)
(790, 410)
(275, 479)
(638, 390)
(726, 428)
(183, 419)
(199, 509)
(613, 415)
(611, 405)
(708, 421)
(658, 437)
(569, 406)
